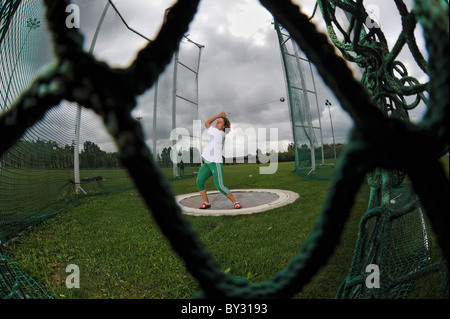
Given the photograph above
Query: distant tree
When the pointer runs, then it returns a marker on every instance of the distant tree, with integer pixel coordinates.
(291, 147)
(165, 157)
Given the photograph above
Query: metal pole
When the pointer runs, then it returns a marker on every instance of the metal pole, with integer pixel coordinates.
(328, 103)
(155, 102)
(76, 152)
(174, 112)
(199, 137)
(78, 118)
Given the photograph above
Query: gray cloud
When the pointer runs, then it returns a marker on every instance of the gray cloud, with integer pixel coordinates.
(240, 70)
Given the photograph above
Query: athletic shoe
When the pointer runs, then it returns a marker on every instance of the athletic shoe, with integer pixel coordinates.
(237, 205)
(205, 206)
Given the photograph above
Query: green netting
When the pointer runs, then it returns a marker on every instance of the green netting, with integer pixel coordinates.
(316, 149)
(394, 237)
(36, 172)
(15, 284)
(398, 240)
(393, 234)
(39, 174)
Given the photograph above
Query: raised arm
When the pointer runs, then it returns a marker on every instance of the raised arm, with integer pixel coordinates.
(215, 117)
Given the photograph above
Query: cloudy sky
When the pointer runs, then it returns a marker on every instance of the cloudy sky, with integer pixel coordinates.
(240, 70)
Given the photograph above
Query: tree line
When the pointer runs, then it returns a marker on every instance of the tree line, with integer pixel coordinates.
(304, 152)
(50, 155)
(164, 159)
(42, 154)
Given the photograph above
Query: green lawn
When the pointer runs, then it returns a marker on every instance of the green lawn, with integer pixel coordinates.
(122, 254)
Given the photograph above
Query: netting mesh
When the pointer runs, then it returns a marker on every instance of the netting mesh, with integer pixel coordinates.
(40, 176)
(38, 161)
(392, 235)
(34, 173)
(398, 240)
(37, 173)
(316, 148)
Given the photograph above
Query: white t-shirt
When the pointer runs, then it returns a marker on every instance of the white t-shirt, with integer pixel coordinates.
(213, 151)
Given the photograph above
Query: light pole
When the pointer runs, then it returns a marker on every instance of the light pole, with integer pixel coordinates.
(328, 103)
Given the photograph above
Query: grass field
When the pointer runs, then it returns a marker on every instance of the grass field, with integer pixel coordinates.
(122, 254)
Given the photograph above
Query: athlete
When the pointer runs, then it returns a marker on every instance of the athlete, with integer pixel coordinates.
(213, 164)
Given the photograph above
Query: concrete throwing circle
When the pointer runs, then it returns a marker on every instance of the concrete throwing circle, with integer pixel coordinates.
(251, 200)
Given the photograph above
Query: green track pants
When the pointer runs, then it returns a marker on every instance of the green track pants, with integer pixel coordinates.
(216, 170)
